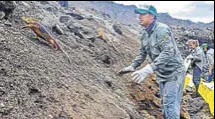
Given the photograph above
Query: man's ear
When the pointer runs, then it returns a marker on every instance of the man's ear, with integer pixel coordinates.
(152, 16)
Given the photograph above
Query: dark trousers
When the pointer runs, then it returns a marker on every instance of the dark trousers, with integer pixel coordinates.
(196, 77)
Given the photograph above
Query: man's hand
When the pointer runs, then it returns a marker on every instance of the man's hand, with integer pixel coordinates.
(209, 72)
(126, 70)
(140, 75)
(189, 57)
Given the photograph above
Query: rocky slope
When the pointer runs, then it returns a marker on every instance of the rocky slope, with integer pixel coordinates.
(125, 13)
(38, 82)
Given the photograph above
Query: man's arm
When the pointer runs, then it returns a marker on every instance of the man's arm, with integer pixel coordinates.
(197, 57)
(211, 59)
(211, 62)
(210, 69)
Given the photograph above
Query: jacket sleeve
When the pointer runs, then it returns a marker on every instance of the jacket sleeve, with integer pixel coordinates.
(211, 59)
(167, 49)
(197, 57)
(141, 57)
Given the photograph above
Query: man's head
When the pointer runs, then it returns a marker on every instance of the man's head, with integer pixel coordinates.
(205, 47)
(192, 44)
(146, 14)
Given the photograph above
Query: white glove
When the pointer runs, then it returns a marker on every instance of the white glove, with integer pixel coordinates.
(189, 57)
(140, 75)
(126, 70)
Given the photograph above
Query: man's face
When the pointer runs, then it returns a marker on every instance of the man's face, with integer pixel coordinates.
(145, 19)
(191, 46)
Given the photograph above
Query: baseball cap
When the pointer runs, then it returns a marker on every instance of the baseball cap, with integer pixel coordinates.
(146, 9)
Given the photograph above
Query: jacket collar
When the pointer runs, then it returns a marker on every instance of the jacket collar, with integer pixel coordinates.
(151, 27)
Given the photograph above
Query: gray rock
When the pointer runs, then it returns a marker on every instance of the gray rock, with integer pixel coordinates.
(58, 29)
(25, 4)
(65, 18)
(76, 16)
(8, 7)
(189, 89)
(196, 104)
(7, 23)
(117, 29)
(44, 2)
(2, 15)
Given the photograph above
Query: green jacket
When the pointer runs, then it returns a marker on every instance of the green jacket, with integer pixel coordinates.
(161, 47)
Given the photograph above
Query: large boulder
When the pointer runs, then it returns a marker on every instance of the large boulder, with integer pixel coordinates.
(7, 7)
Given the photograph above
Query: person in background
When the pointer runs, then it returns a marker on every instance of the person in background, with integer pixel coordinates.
(196, 58)
(211, 73)
(208, 65)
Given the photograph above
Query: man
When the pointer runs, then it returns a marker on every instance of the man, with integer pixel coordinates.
(208, 64)
(196, 57)
(157, 41)
(211, 70)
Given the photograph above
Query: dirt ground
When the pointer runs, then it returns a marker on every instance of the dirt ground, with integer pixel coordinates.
(38, 82)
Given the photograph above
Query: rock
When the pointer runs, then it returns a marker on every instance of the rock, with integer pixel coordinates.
(196, 104)
(74, 26)
(75, 16)
(117, 29)
(58, 29)
(2, 92)
(106, 16)
(7, 7)
(90, 18)
(7, 23)
(25, 4)
(184, 113)
(77, 33)
(189, 89)
(2, 15)
(106, 59)
(44, 2)
(50, 8)
(65, 18)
